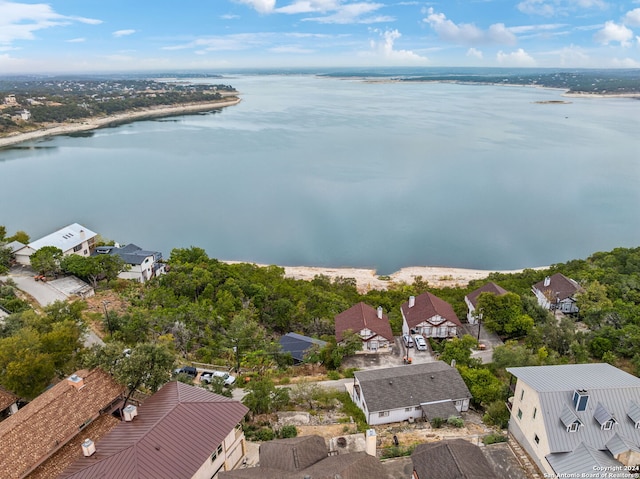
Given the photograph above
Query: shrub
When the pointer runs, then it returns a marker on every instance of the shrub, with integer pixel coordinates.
(288, 431)
(455, 421)
(437, 422)
(348, 373)
(264, 434)
(333, 375)
(494, 438)
(497, 414)
(397, 451)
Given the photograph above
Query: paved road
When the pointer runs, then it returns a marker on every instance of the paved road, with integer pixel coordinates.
(44, 294)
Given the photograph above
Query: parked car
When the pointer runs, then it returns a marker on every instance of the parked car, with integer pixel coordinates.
(421, 344)
(207, 377)
(408, 340)
(188, 370)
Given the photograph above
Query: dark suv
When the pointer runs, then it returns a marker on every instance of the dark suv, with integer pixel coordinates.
(189, 370)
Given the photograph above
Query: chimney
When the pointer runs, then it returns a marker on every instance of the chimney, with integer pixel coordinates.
(547, 281)
(370, 442)
(412, 301)
(453, 363)
(88, 447)
(76, 381)
(129, 412)
(379, 312)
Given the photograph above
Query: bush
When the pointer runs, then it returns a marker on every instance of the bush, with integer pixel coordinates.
(288, 431)
(264, 434)
(455, 421)
(333, 375)
(348, 373)
(494, 438)
(437, 422)
(397, 451)
(497, 414)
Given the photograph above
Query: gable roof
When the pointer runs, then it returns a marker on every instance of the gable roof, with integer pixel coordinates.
(426, 307)
(490, 287)
(584, 459)
(293, 454)
(362, 316)
(48, 422)
(65, 238)
(15, 246)
(134, 254)
(453, 459)
(559, 287)
(297, 344)
(174, 433)
(410, 385)
(7, 398)
(611, 394)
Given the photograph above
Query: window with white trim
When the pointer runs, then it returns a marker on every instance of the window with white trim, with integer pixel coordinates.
(407, 409)
(607, 426)
(383, 414)
(216, 453)
(573, 427)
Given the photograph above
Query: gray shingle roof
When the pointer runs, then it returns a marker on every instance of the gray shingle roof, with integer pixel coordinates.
(454, 459)
(133, 254)
(443, 410)
(411, 385)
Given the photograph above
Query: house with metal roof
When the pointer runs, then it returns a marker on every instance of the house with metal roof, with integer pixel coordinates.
(143, 264)
(577, 418)
(452, 459)
(72, 239)
(34, 433)
(408, 393)
(298, 345)
(181, 432)
(430, 316)
(471, 299)
(557, 293)
(308, 456)
(372, 325)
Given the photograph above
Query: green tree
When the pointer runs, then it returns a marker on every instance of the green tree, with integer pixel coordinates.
(483, 386)
(93, 268)
(46, 260)
(20, 236)
(458, 349)
(5, 258)
(264, 397)
(503, 314)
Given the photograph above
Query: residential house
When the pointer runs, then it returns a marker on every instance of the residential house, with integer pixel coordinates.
(35, 432)
(72, 239)
(143, 264)
(8, 403)
(307, 456)
(430, 316)
(471, 299)
(180, 432)
(372, 325)
(452, 459)
(577, 418)
(298, 345)
(557, 293)
(407, 393)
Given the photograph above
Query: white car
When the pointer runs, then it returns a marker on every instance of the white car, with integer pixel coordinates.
(421, 344)
(408, 340)
(207, 377)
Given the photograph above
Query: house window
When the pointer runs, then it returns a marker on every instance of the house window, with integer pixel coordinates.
(580, 400)
(638, 425)
(521, 394)
(535, 411)
(536, 439)
(407, 409)
(418, 408)
(383, 414)
(77, 248)
(216, 453)
(607, 425)
(573, 427)
(519, 413)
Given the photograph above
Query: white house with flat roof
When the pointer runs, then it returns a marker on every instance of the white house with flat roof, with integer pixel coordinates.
(577, 418)
(72, 239)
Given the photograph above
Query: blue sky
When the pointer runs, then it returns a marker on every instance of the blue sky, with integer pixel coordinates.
(114, 35)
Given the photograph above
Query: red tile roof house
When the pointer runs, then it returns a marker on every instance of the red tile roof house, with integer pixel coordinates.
(472, 299)
(180, 432)
(35, 432)
(430, 316)
(557, 292)
(372, 325)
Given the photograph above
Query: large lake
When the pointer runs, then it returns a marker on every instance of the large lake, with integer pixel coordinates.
(329, 172)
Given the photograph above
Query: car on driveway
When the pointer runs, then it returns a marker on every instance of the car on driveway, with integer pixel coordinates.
(421, 344)
(408, 340)
(188, 370)
(227, 379)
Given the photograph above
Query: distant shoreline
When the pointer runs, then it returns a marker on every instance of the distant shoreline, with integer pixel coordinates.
(125, 117)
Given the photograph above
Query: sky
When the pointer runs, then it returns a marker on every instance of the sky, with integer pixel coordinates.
(186, 35)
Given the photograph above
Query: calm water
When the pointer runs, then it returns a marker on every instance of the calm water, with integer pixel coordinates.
(327, 172)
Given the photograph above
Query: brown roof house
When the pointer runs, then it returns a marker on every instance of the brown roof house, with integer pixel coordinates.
(557, 293)
(453, 459)
(47, 423)
(472, 299)
(372, 325)
(307, 456)
(430, 316)
(8, 403)
(180, 432)
(407, 393)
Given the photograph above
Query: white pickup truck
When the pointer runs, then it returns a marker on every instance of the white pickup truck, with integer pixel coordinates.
(207, 377)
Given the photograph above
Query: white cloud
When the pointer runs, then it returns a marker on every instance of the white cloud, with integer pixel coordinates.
(537, 7)
(229, 16)
(632, 18)
(77, 40)
(474, 53)
(236, 42)
(573, 56)
(468, 33)
(120, 58)
(384, 50)
(310, 6)
(261, 6)
(291, 49)
(625, 63)
(519, 58)
(548, 8)
(612, 32)
(19, 21)
(353, 13)
(123, 33)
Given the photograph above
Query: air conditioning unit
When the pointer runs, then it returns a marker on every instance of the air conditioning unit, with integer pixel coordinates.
(129, 412)
(88, 447)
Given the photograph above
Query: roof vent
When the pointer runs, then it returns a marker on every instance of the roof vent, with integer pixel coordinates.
(390, 383)
(412, 301)
(88, 447)
(129, 412)
(547, 281)
(76, 381)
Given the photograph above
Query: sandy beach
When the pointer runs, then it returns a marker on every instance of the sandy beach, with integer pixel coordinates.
(95, 123)
(368, 279)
